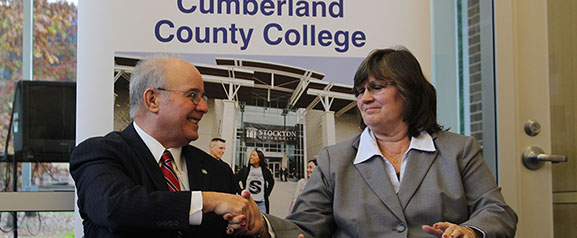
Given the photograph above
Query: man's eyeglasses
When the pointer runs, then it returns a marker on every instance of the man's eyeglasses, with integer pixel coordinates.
(194, 96)
(374, 87)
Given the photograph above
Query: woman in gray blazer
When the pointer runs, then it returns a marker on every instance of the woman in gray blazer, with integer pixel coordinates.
(403, 176)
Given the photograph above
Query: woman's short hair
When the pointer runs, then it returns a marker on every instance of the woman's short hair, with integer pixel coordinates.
(419, 96)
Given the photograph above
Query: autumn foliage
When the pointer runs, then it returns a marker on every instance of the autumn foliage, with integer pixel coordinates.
(54, 50)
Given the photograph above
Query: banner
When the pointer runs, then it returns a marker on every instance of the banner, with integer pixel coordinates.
(327, 36)
(270, 134)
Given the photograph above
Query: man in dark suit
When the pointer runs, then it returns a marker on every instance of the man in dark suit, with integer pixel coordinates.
(147, 181)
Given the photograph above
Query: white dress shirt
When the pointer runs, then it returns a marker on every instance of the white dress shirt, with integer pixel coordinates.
(179, 166)
(368, 148)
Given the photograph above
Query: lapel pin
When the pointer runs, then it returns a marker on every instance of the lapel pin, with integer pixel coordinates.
(204, 171)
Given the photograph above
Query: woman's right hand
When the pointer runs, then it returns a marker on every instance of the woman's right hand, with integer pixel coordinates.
(449, 230)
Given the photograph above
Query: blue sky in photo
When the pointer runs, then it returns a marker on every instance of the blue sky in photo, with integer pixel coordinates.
(336, 69)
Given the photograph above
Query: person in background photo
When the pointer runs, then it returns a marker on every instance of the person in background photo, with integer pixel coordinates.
(403, 175)
(284, 174)
(311, 165)
(216, 149)
(257, 179)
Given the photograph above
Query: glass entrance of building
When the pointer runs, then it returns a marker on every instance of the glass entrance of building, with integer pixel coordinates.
(275, 166)
(278, 133)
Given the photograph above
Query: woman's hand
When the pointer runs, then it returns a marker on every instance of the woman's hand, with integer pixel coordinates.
(249, 223)
(449, 230)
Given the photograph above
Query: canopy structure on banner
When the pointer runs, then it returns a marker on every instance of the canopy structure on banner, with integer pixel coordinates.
(261, 83)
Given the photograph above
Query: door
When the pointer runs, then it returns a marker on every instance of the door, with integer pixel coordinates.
(563, 104)
(525, 91)
(275, 167)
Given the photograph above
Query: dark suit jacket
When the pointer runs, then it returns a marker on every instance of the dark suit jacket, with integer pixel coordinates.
(268, 182)
(122, 192)
(451, 184)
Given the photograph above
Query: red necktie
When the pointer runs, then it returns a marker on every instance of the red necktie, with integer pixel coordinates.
(168, 171)
(170, 176)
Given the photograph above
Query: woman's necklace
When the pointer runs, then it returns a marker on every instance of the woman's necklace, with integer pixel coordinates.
(393, 158)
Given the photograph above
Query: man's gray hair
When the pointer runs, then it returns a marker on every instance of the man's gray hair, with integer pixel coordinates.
(148, 73)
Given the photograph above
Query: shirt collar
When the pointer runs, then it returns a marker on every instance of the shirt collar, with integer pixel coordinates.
(368, 146)
(157, 149)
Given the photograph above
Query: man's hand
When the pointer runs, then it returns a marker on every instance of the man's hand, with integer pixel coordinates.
(224, 203)
(253, 223)
(447, 229)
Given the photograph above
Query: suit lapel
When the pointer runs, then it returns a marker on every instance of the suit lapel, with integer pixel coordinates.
(195, 168)
(418, 164)
(374, 173)
(144, 157)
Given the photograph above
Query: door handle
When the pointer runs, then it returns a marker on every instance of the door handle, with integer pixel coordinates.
(534, 158)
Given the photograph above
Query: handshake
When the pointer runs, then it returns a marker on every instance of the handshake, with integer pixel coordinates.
(241, 212)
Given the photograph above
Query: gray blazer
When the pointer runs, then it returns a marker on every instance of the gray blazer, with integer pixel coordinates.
(451, 184)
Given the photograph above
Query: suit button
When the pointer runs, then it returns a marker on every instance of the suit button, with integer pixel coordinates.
(400, 228)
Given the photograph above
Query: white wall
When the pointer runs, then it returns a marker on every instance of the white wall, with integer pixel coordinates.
(314, 133)
(347, 126)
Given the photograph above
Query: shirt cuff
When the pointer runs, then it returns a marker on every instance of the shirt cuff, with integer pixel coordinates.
(195, 217)
(479, 231)
(269, 227)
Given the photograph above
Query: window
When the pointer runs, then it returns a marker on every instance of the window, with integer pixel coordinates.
(463, 71)
(53, 54)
